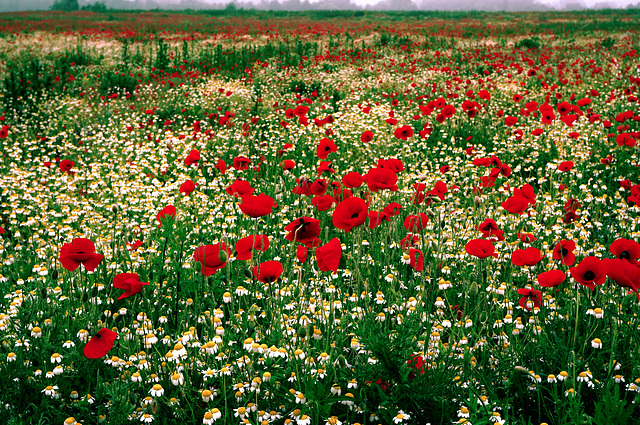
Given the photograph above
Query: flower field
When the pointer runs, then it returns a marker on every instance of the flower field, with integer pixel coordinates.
(320, 218)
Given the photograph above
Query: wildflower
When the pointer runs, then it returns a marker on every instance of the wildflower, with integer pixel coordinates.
(157, 390)
(400, 418)
(596, 343)
(100, 344)
(130, 282)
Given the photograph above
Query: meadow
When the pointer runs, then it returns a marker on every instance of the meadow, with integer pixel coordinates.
(320, 218)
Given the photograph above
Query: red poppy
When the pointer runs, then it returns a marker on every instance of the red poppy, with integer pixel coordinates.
(531, 298)
(79, 251)
(352, 179)
(66, 165)
(211, 257)
(328, 256)
(393, 164)
(257, 206)
(392, 209)
(221, 166)
(563, 251)
(624, 274)
(551, 278)
(325, 167)
(510, 121)
(350, 213)
(480, 248)
(415, 259)
(565, 166)
(403, 133)
(241, 163)
(448, 111)
(187, 187)
(130, 282)
(268, 272)
(240, 188)
(302, 187)
(323, 203)
(526, 237)
(304, 230)
(100, 344)
(589, 272)
(318, 187)
(366, 137)
(526, 257)
(288, 164)
(515, 204)
(166, 215)
(489, 228)
(626, 249)
(301, 253)
(245, 246)
(135, 245)
(381, 178)
(417, 364)
(415, 223)
(375, 218)
(192, 158)
(325, 147)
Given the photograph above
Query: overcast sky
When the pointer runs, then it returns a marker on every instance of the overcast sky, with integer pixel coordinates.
(513, 5)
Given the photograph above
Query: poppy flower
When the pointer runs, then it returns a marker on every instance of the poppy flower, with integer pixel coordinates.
(526, 257)
(551, 278)
(211, 257)
(257, 206)
(288, 164)
(565, 166)
(526, 237)
(624, 274)
(350, 213)
(304, 230)
(489, 228)
(301, 253)
(328, 256)
(480, 248)
(531, 298)
(510, 121)
(563, 251)
(352, 179)
(515, 204)
(417, 364)
(135, 245)
(394, 164)
(166, 215)
(187, 187)
(100, 344)
(240, 188)
(66, 165)
(323, 203)
(626, 249)
(392, 209)
(130, 282)
(79, 251)
(381, 178)
(375, 218)
(416, 259)
(241, 163)
(221, 166)
(589, 272)
(318, 187)
(245, 246)
(268, 272)
(415, 223)
(325, 167)
(192, 158)
(303, 187)
(325, 147)
(403, 133)
(366, 137)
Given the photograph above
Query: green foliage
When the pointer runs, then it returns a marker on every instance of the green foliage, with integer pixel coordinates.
(65, 5)
(532, 43)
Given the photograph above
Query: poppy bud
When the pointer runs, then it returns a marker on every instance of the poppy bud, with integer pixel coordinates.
(246, 272)
(341, 361)
(223, 256)
(302, 332)
(477, 201)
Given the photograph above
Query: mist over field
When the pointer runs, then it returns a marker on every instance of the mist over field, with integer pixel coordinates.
(294, 5)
